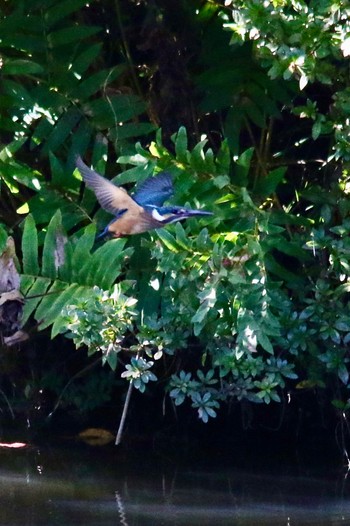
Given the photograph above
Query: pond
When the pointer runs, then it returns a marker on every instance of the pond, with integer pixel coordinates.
(106, 486)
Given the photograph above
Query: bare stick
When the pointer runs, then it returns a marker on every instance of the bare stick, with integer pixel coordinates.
(123, 418)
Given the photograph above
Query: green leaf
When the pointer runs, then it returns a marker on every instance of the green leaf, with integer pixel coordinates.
(14, 173)
(112, 360)
(93, 83)
(343, 374)
(181, 238)
(30, 247)
(26, 283)
(51, 259)
(199, 316)
(80, 140)
(73, 294)
(57, 170)
(41, 132)
(267, 185)
(264, 341)
(168, 239)
(81, 252)
(223, 158)
(220, 181)
(86, 58)
(59, 11)
(68, 35)
(242, 167)
(197, 158)
(245, 159)
(21, 67)
(316, 129)
(203, 243)
(116, 109)
(344, 288)
(127, 130)
(181, 145)
(208, 300)
(25, 42)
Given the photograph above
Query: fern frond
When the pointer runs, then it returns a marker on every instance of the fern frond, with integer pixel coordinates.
(69, 272)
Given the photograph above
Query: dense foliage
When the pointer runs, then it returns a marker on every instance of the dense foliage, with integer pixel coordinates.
(246, 104)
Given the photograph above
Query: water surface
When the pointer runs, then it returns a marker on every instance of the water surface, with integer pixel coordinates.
(90, 486)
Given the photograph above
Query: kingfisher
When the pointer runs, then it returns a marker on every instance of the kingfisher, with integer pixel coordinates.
(138, 213)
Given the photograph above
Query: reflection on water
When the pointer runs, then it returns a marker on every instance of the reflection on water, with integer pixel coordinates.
(95, 487)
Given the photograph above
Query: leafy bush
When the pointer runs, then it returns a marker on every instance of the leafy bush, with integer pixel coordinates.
(258, 325)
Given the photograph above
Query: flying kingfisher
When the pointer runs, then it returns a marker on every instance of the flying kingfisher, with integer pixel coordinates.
(143, 211)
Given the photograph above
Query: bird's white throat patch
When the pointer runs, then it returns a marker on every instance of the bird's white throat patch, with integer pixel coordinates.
(157, 216)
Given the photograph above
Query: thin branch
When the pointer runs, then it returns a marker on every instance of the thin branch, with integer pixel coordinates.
(127, 49)
(77, 375)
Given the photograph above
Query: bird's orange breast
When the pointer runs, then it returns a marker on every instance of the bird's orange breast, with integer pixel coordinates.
(132, 222)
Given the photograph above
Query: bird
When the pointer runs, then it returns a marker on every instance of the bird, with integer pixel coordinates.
(141, 212)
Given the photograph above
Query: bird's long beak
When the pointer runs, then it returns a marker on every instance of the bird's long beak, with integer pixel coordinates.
(189, 213)
(184, 214)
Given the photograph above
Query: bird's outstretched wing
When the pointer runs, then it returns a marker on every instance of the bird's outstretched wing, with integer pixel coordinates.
(111, 197)
(155, 190)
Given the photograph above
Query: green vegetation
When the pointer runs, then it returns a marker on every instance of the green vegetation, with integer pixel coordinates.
(247, 105)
